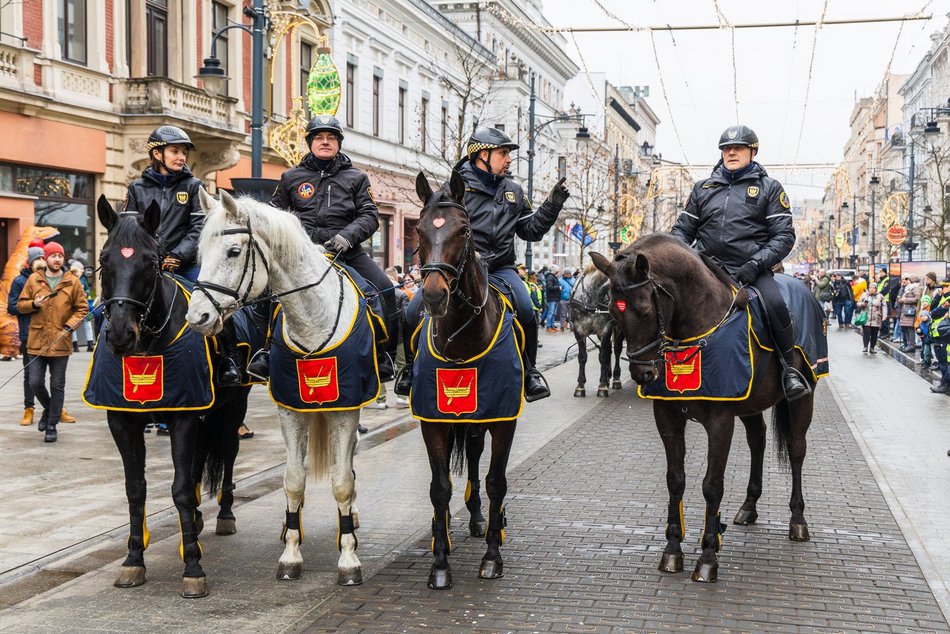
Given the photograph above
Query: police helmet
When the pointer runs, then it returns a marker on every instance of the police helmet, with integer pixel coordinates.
(168, 135)
(324, 123)
(739, 135)
(488, 139)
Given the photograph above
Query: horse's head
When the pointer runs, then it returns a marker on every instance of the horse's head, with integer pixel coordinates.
(233, 263)
(446, 246)
(130, 272)
(641, 306)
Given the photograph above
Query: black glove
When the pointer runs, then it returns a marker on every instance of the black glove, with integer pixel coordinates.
(171, 263)
(749, 271)
(559, 194)
(337, 244)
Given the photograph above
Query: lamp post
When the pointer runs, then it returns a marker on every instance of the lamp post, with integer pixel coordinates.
(582, 135)
(872, 252)
(213, 79)
(831, 262)
(615, 242)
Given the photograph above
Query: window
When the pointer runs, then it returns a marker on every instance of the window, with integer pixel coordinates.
(445, 127)
(71, 26)
(423, 117)
(306, 61)
(219, 20)
(377, 245)
(350, 94)
(377, 88)
(156, 24)
(402, 115)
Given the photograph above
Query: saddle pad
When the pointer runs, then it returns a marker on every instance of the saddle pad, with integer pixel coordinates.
(340, 377)
(485, 388)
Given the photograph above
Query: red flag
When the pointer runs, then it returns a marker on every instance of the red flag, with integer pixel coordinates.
(456, 390)
(143, 378)
(317, 380)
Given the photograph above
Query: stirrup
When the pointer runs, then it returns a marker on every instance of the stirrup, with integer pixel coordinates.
(403, 383)
(259, 365)
(531, 398)
(796, 395)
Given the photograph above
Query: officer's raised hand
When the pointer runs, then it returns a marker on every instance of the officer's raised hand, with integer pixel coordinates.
(337, 244)
(171, 263)
(559, 194)
(748, 272)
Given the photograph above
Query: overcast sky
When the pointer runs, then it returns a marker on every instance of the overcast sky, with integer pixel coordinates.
(772, 69)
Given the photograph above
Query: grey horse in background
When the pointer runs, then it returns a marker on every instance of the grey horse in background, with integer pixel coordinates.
(590, 317)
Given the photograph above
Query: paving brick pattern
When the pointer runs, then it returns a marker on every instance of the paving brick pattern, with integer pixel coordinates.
(586, 519)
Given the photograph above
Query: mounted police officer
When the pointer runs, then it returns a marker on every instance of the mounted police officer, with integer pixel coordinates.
(499, 210)
(742, 218)
(168, 182)
(334, 202)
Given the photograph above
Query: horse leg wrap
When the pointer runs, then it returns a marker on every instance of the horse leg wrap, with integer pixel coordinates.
(682, 523)
(197, 494)
(223, 490)
(497, 522)
(292, 522)
(717, 529)
(345, 526)
(441, 527)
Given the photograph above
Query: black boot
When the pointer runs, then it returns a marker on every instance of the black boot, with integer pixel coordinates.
(941, 388)
(793, 382)
(50, 434)
(404, 380)
(229, 369)
(535, 387)
(384, 363)
(259, 367)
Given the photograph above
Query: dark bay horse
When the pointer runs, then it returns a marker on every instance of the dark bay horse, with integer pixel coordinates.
(590, 316)
(662, 291)
(465, 314)
(145, 310)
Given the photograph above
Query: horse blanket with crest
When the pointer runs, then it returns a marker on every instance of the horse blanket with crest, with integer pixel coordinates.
(342, 376)
(487, 387)
(718, 365)
(179, 378)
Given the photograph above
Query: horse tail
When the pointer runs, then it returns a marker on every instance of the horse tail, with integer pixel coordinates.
(458, 436)
(319, 446)
(782, 430)
(218, 439)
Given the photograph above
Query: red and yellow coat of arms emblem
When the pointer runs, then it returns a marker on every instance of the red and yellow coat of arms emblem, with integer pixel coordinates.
(684, 369)
(456, 390)
(317, 380)
(143, 378)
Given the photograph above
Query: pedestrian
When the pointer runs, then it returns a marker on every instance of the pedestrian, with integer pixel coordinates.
(939, 309)
(567, 288)
(537, 297)
(85, 328)
(908, 314)
(872, 309)
(896, 292)
(334, 201)
(552, 293)
(922, 330)
(56, 303)
(743, 218)
(824, 292)
(35, 262)
(499, 211)
(842, 299)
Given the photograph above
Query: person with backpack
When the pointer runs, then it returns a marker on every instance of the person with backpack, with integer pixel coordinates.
(552, 292)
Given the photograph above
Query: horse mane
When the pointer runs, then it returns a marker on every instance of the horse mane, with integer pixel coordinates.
(281, 229)
(128, 232)
(668, 253)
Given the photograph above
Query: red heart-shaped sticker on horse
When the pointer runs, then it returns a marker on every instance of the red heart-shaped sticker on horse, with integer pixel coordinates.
(438, 222)
(126, 252)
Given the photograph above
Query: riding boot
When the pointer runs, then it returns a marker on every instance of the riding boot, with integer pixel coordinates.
(793, 382)
(229, 370)
(535, 386)
(259, 367)
(384, 364)
(403, 383)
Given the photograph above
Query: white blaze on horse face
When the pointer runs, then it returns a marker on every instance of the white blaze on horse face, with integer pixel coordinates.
(438, 222)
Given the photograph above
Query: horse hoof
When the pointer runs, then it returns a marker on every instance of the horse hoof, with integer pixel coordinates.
(491, 569)
(615, 385)
(289, 572)
(194, 587)
(580, 392)
(440, 579)
(130, 577)
(351, 577)
(706, 572)
(798, 532)
(225, 527)
(671, 562)
(477, 528)
(745, 518)
(603, 392)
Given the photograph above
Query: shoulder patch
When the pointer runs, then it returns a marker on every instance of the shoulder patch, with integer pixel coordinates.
(510, 197)
(369, 192)
(752, 191)
(783, 200)
(527, 203)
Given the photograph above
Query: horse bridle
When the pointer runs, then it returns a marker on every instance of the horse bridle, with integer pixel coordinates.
(662, 343)
(250, 262)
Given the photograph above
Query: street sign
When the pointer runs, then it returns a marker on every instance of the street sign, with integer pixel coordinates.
(839, 239)
(896, 234)
(628, 234)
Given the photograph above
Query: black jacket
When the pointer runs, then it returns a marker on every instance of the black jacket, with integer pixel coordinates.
(338, 200)
(496, 219)
(16, 287)
(735, 222)
(182, 217)
(843, 291)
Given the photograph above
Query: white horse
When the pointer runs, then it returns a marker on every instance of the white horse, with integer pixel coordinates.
(247, 246)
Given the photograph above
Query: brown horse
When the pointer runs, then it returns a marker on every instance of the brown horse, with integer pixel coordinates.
(661, 292)
(465, 315)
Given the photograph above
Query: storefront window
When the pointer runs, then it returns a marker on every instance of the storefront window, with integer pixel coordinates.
(378, 245)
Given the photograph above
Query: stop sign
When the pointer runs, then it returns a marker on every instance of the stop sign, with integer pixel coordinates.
(896, 234)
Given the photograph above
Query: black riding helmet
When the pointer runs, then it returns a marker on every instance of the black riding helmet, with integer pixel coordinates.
(167, 135)
(487, 139)
(739, 135)
(324, 123)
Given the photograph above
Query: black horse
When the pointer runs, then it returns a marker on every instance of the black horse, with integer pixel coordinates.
(661, 292)
(145, 310)
(590, 316)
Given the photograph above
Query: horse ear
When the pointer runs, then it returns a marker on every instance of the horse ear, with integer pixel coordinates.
(603, 265)
(151, 218)
(107, 215)
(229, 205)
(457, 187)
(641, 267)
(205, 199)
(423, 188)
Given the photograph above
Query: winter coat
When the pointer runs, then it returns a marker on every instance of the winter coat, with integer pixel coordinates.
(823, 292)
(749, 219)
(876, 306)
(496, 218)
(23, 321)
(182, 217)
(337, 200)
(842, 291)
(567, 287)
(552, 287)
(908, 300)
(49, 322)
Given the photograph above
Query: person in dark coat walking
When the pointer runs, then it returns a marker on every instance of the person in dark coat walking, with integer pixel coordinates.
(35, 262)
(743, 218)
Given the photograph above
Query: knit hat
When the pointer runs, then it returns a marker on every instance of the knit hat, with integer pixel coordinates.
(53, 247)
(32, 253)
(932, 276)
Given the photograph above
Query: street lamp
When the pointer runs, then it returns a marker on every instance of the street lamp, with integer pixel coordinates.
(831, 262)
(213, 80)
(582, 135)
(872, 252)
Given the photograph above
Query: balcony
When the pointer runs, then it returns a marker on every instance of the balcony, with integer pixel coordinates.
(164, 97)
(16, 68)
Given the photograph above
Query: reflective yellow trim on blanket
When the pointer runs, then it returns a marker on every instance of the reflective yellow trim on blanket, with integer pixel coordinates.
(303, 353)
(382, 321)
(491, 344)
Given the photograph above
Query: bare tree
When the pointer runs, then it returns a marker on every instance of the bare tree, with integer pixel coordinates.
(934, 219)
(590, 172)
